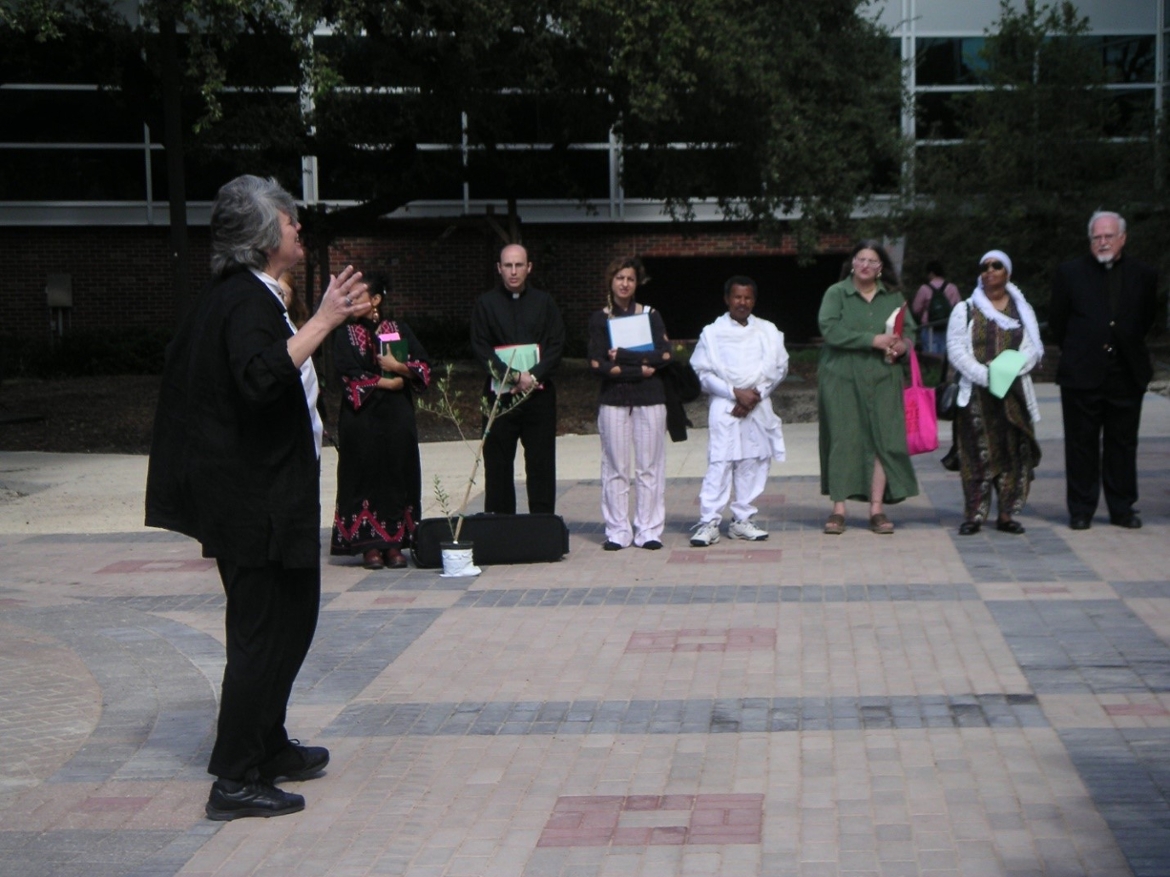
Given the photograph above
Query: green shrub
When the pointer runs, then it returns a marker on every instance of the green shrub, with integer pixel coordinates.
(135, 351)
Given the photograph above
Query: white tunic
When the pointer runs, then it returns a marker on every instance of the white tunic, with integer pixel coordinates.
(730, 356)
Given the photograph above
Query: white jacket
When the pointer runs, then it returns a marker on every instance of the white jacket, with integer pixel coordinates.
(961, 354)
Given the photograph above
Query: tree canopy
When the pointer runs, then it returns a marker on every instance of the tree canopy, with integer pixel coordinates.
(1038, 150)
(791, 105)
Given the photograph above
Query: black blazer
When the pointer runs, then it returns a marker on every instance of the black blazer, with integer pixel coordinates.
(232, 461)
(1083, 325)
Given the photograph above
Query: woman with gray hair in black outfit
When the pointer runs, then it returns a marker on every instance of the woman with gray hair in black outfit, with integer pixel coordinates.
(235, 464)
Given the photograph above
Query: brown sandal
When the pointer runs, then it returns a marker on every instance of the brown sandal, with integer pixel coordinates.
(881, 525)
(835, 525)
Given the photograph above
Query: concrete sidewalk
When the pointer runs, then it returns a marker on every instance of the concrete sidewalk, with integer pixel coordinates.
(924, 704)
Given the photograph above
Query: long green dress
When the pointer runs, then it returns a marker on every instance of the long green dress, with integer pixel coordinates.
(859, 397)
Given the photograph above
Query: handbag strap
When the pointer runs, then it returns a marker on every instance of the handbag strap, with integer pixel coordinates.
(915, 372)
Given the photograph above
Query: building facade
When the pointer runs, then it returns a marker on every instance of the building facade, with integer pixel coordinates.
(84, 216)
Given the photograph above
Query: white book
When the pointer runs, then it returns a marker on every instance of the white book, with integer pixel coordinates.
(631, 333)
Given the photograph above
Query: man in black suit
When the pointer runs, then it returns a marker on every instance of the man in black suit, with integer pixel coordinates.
(516, 312)
(235, 464)
(1103, 306)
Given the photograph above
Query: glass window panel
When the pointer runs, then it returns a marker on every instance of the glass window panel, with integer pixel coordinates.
(938, 115)
(1130, 113)
(539, 174)
(528, 118)
(206, 170)
(263, 60)
(68, 117)
(72, 175)
(78, 57)
(364, 61)
(384, 118)
(1126, 58)
(432, 175)
(947, 61)
(694, 173)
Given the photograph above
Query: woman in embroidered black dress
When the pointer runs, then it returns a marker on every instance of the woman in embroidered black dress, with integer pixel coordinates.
(379, 473)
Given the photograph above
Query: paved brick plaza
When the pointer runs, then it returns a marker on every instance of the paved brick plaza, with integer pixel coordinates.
(926, 704)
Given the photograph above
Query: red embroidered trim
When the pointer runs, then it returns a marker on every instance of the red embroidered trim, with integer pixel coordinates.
(343, 534)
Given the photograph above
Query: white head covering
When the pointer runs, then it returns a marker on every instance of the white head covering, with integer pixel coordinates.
(980, 300)
(1001, 256)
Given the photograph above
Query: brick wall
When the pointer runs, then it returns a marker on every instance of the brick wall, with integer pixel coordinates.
(120, 275)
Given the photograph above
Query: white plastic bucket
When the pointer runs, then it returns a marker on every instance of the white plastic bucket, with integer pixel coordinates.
(458, 560)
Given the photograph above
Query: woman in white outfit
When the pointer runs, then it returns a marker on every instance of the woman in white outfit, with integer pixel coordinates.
(632, 410)
(740, 360)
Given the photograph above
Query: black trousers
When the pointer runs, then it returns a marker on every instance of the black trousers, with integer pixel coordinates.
(1111, 413)
(270, 620)
(534, 425)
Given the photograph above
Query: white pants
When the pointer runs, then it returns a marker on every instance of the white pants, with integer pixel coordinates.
(645, 427)
(749, 477)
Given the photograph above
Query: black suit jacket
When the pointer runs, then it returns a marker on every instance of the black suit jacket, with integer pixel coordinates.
(233, 462)
(1085, 326)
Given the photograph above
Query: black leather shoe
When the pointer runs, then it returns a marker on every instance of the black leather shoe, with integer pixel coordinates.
(1080, 522)
(950, 460)
(1013, 527)
(1130, 521)
(295, 762)
(232, 800)
(610, 546)
(652, 545)
(969, 528)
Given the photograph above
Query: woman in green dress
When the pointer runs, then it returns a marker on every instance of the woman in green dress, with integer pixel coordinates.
(859, 391)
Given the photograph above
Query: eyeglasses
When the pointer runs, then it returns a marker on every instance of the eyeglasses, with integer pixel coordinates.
(994, 265)
(873, 263)
(1102, 238)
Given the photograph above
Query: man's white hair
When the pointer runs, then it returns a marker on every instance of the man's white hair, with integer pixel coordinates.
(1107, 214)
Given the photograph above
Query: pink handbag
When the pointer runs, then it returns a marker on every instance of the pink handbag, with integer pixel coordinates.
(921, 418)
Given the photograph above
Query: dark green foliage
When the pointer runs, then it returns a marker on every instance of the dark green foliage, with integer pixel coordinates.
(123, 352)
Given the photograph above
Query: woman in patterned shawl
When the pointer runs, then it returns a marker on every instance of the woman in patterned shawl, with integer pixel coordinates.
(379, 473)
(996, 437)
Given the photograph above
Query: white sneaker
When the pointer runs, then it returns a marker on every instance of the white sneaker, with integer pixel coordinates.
(746, 530)
(706, 533)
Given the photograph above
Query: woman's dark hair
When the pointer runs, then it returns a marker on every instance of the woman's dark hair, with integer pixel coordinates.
(889, 273)
(378, 283)
(935, 267)
(617, 265)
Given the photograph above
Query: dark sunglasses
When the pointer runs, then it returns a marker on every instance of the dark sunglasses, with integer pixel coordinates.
(991, 266)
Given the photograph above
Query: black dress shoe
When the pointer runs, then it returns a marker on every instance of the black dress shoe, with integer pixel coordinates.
(610, 546)
(1080, 522)
(950, 460)
(1130, 521)
(969, 528)
(652, 545)
(232, 800)
(295, 762)
(1013, 527)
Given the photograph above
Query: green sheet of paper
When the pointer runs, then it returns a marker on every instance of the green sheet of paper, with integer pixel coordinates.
(1004, 369)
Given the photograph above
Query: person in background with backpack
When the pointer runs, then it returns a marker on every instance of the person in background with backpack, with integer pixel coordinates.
(932, 307)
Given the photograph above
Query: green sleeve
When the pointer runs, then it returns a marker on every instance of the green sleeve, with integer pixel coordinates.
(834, 328)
